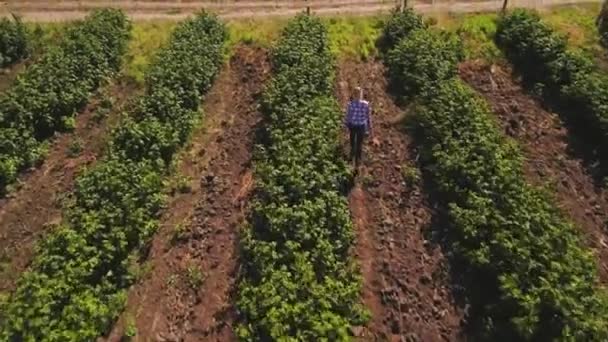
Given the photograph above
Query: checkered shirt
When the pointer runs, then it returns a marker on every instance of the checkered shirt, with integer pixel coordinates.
(358, 114)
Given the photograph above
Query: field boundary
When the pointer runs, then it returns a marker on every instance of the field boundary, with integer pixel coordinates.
(52, 11)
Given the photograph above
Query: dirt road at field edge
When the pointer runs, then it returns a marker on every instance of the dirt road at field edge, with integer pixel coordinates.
(406, 285)
(154, 10)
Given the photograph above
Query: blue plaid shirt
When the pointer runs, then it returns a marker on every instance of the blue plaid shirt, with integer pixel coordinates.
(358, 114)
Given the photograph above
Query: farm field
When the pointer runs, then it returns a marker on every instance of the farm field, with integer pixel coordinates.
(188, 179)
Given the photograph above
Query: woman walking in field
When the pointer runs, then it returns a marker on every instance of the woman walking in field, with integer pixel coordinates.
(359, 122)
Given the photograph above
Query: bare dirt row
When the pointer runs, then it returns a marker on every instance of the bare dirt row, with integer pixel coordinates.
(29, 212)
(406, 281)
(188, 294)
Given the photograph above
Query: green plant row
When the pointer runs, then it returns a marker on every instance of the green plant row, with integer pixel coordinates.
(77, 283)
(562, 77)
(537, 281)
(50, 92)
(13, 41)
(299, 284)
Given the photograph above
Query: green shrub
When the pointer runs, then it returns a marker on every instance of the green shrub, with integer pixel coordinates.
(399, 26)
(13, 41)
(423, 60)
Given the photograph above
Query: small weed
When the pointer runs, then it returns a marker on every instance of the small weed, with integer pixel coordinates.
(172, 280)
(105, 107)
(130, 329)
(68, 123)
(410, 174)
(182, 185)
(194, 276)
(367, 180)
(75, 148)
(179, 233)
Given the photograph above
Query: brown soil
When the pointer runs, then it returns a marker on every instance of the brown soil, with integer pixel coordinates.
(549, 160)
(170, 303)
(406, 283)
(27, 213)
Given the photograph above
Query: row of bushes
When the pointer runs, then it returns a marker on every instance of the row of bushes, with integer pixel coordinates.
(50, 92)
(77, 283)
(564, 78)
(299, 284)
(13, 41)
(539, 282)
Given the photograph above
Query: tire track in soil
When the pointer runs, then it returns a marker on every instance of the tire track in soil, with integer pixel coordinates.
(406, 283)
(163, 305)
(548, 156)
(33, 209)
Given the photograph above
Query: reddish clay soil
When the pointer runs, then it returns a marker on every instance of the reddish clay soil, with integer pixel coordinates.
(549, 160)
(27, 213)
(187, 295)
(406, 281)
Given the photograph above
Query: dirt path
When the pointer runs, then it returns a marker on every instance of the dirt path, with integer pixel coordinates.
(175, 10)
(549, 161)
(188, 292)
(405, 284)
(26, 214)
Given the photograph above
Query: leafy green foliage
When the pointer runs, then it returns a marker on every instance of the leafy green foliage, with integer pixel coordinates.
(424, 60)
(299, 284)
(400, 25)
(506, 230)
(13, 41)
(77, 284)
(49, 93)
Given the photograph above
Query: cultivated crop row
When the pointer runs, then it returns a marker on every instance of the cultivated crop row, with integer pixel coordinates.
(299, 284)
(13, 41)
(564, 78)
(77, 283)
(48, 94)
(538, 282)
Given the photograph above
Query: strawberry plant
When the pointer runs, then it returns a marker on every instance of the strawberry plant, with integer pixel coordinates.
(76, 285)
(541, 282)
(299, 284)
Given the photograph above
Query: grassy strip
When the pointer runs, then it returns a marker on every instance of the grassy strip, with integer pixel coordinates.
(538, 282)
(47, 95)
(299, 284)
(77, 283)
(13, 41)
(564, 78)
